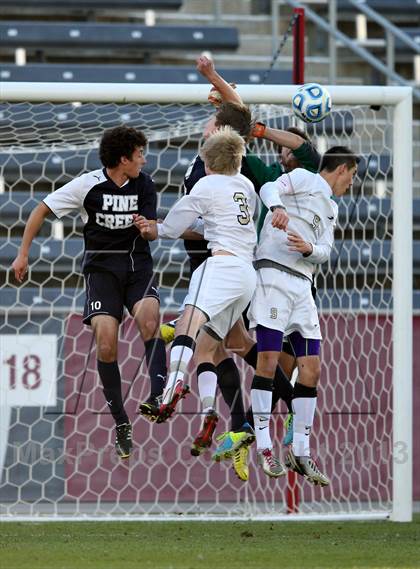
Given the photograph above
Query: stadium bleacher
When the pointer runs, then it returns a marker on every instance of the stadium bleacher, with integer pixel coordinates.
(46, 116)
(19, 204)
(385, 7)
(413, 33)
(99, 4)
(44, 35)
(66, 255)
(366, 212)
(51, 299)
(102, 73)
(57, 256)
(61, 166)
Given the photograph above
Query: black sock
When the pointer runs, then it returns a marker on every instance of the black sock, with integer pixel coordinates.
(111, 382)
(249, 416)
(282, 389)
(251, 359)
(301, 390)
(156, 364)
(229, 382)
(252, 356)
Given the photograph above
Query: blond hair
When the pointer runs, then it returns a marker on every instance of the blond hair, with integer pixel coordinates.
(223, 150)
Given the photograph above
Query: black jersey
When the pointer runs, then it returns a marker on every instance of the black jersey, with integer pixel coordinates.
(111, 240)
(197, 250)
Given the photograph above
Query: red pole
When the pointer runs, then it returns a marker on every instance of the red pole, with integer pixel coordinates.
(299, 47)
(292, 493)
(292, 490)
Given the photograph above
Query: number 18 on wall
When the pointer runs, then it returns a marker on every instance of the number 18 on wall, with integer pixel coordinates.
(28, 370)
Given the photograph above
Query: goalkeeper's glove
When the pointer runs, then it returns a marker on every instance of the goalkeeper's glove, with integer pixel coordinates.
(258, 130)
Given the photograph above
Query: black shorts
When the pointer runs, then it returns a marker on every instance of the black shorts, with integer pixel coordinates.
(108, 293)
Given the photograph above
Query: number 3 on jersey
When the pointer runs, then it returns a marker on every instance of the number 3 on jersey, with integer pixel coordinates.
(245, 217)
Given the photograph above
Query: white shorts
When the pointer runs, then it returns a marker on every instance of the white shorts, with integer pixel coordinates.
(222, 287)
(284, 302)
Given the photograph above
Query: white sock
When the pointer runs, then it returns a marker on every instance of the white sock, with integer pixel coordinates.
(207, 383)
(179, 359)
(261, 411)
(304, 412)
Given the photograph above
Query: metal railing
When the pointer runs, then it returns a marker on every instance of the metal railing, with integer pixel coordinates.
(336, 35)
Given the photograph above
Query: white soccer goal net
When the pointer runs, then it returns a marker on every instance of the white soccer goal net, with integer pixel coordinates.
(56, 437)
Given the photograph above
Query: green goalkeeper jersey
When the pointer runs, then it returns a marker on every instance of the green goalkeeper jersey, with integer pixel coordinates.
(308, 157)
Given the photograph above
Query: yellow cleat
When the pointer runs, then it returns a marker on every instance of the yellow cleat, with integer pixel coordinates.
(230, 442)
(167, 331)
(240, 463)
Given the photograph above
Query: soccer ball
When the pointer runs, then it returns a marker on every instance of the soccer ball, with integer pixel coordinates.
(311, 102)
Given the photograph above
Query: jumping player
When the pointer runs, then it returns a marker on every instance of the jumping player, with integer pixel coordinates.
(297, 235)
(117, 264)
(221, 287)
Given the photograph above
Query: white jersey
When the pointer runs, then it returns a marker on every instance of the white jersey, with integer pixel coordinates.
(226, 205)
(312, 214)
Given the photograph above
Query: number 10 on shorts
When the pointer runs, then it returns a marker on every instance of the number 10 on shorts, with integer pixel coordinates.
(28, 370)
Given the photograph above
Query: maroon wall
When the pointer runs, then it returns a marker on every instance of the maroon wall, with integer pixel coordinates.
(352, 433)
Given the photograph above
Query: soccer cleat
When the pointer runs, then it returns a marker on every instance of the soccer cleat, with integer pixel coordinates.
(306, 467)
(124, 440)
(270, 464)
(150, 409)
(167, 331)
(204, 438)
(179, 392)
(240, 463)
(288, 425)
(231, 441)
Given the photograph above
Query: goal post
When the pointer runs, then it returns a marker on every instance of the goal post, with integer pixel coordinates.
(172, 122)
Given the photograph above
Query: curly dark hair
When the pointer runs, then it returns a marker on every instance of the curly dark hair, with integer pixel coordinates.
(237, 116)
(117, 142)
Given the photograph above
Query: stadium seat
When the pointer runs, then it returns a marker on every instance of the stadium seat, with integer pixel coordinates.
(337, 123)
(16, 207)
(367, 211)
(80, 73)
(77, 124)
(42, 35)
(384, 7)
(66, 255)
(61, 166)
(99, 4)
(66, 298)
(414, 34)
(373, 255)
(367, 300)
(69, 298)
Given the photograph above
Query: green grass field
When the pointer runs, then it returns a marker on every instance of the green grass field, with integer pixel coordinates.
(212, 545)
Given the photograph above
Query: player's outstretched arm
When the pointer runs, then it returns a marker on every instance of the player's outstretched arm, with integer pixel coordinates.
(228, 94)
(278, 136)
(33, 225)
